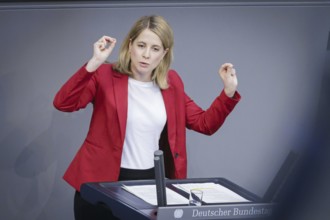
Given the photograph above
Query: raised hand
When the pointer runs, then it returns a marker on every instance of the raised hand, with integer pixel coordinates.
(228, 76)
(101, 51)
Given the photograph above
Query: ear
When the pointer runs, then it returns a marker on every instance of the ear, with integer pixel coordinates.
(165, 52)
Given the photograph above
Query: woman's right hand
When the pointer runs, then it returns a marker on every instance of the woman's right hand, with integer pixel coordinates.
(102, 50)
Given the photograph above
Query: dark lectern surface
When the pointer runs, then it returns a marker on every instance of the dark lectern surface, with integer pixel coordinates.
(127, 206)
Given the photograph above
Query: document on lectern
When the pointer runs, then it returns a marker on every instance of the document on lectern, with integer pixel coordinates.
(213, 193)
(148, 194)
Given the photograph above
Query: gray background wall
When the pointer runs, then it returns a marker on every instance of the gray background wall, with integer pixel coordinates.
(278, 51)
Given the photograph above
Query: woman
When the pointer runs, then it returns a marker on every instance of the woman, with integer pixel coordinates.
(139, 106)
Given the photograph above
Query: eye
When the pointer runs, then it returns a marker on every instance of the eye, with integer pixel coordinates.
(156, 49)
(140, 45)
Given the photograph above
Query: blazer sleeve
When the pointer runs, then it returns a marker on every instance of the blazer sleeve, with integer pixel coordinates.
(210, 120)
(77, 92)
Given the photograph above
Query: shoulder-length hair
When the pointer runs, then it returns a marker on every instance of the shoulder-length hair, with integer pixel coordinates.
(161, 28)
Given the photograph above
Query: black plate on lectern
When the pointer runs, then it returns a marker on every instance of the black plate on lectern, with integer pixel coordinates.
(127, 206)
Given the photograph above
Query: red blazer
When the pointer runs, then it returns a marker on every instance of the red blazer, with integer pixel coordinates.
(99, 157)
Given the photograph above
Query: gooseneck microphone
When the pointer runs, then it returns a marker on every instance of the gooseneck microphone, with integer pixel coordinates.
(160, 178)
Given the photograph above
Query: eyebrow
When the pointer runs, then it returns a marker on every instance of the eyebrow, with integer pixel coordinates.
(154, 45)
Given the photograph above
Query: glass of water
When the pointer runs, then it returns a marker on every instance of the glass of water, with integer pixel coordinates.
(195, 197)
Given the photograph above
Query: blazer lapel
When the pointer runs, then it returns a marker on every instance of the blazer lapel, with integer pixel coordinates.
(121, 97)
(169, 102)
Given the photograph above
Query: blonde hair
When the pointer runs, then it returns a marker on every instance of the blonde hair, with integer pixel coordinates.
(161, 28)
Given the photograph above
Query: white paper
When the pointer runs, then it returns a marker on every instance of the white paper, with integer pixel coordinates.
(148, 194)
(213, 193)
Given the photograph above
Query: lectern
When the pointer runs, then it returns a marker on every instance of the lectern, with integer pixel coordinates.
(125, 205)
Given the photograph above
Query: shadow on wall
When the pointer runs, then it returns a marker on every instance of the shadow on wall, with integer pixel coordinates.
(33, 150)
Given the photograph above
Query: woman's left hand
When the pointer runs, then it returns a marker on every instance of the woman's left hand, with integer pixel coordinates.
(228, 76)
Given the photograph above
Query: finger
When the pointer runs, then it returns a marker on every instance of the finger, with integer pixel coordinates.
(109, 39)
(225, 66)
(104, 40)
(98, 44)
(110, 43)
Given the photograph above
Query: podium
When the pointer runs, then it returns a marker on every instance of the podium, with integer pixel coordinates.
(125, 205)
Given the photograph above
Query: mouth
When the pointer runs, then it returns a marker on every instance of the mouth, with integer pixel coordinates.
(143, 64)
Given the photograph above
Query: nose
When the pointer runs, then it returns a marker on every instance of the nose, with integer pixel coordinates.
(146, 53)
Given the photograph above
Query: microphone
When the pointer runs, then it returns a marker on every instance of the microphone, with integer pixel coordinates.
(160, 178)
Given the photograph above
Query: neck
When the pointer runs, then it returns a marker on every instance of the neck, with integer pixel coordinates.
(142, 77)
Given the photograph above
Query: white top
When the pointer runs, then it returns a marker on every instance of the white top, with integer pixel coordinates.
(146, 118)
